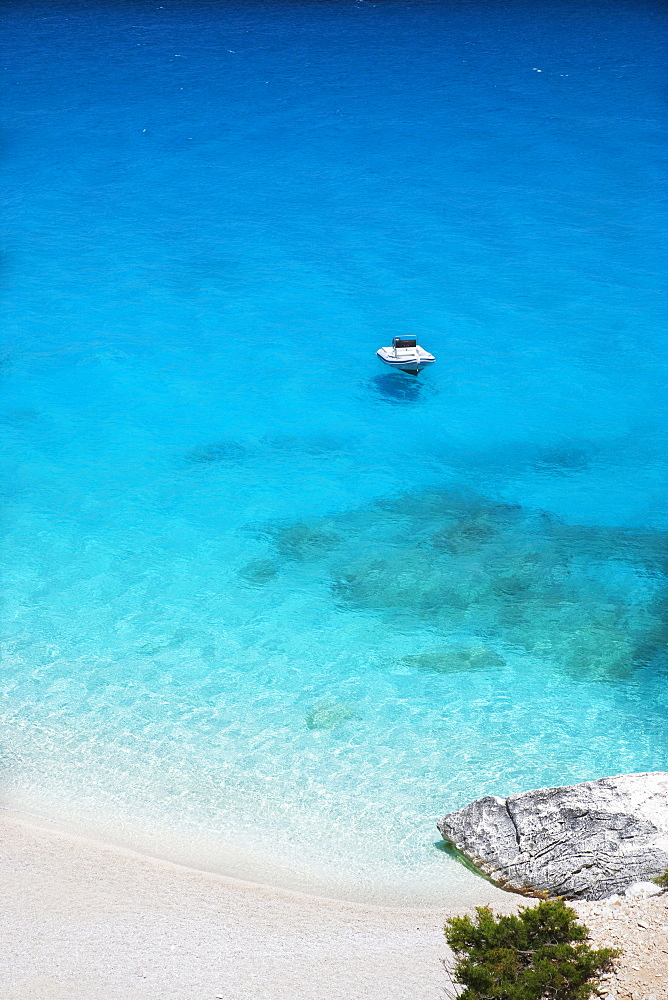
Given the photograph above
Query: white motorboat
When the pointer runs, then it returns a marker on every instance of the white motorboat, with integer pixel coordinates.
(406, 355)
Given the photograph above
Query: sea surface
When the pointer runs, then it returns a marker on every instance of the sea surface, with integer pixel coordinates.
(271, 608)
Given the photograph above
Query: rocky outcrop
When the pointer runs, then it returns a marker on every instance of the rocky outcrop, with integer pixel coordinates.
(583, 841)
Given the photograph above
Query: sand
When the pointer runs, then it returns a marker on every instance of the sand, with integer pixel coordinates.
(87, 921)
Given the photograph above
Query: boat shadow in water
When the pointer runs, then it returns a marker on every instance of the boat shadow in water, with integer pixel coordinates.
(399, 388)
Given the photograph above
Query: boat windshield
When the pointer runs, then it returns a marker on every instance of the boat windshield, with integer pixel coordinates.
(404, 342)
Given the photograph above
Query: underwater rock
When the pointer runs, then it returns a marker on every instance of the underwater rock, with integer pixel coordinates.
(564, 460)
(328, 714)
(218, 451)
(260, 570)
(599, 648)
(319, 446)
(464, 535)
(168, 644)
(584, 841)
(451, 659)
(590, 600)
(303, 543)
(16, 418)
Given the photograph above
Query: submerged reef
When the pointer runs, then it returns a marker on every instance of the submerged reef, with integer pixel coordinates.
(260, 570)
(328, 714)
(319, 445)
(302, 542)
(452, 659)
(563, 461)
(217, 451)
(589, 599)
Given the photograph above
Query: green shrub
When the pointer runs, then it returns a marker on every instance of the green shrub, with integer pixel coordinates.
(662, 880)
(539, 954)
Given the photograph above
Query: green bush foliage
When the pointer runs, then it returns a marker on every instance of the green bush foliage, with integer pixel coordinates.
(539, 954)
(662, 880)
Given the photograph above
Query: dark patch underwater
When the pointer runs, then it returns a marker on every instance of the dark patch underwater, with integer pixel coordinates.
(590, 600)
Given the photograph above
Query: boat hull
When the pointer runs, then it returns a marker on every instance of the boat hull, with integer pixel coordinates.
(410, 361)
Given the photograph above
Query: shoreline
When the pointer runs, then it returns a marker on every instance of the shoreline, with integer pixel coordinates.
(95, 921)
(38, 824)
(282, 862)
(92, 920)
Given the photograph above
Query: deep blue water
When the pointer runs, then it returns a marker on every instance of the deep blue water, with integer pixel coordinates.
(270, 608)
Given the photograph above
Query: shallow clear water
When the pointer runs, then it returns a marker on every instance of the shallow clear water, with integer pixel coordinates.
(270, 608)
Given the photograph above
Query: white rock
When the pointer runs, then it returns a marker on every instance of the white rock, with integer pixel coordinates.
(642, 890)
(583, 841)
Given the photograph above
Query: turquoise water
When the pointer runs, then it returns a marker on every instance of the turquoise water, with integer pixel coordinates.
(270, 608)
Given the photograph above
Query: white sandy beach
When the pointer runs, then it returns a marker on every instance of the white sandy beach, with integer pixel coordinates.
(86, 921)
(83, 920)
